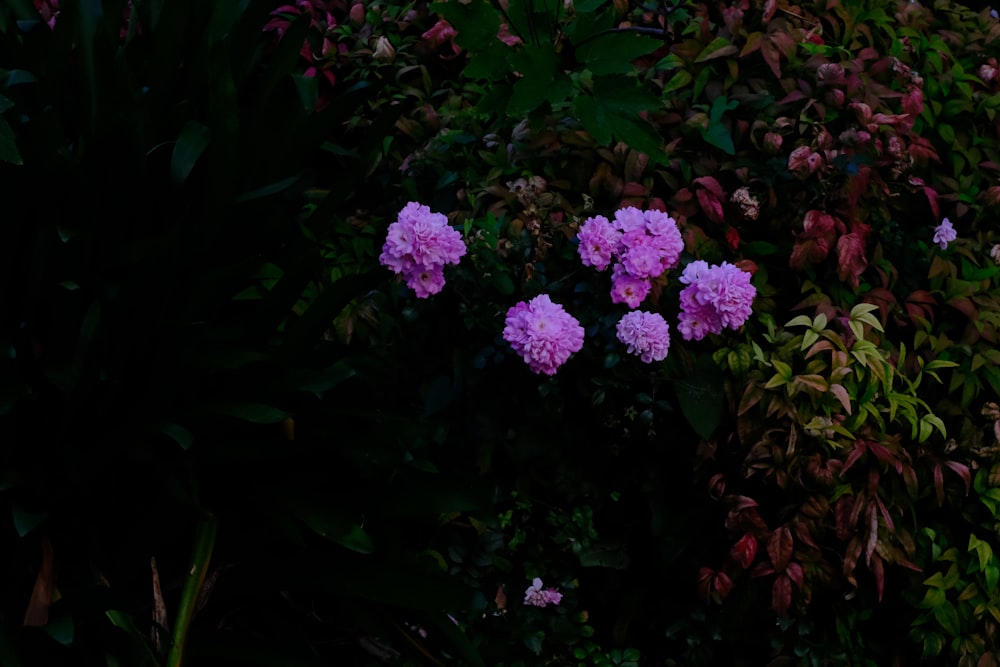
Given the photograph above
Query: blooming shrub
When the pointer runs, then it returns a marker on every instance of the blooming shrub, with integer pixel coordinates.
(808, 474)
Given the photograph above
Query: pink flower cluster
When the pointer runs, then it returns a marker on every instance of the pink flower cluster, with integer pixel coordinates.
(647, 335)
(536, 596)
(642, 245)
(543, 333)
(715, 297)
(419, 245)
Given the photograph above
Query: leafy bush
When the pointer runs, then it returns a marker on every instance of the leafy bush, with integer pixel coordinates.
(207, 366)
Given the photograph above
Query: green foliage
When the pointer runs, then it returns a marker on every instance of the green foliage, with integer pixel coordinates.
(203, 361)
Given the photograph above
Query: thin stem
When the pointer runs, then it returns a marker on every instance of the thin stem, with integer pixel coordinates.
(201, 555)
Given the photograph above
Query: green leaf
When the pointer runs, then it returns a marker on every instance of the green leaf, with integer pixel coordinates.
(678, 81)
(613, 53)
(717, 135)
(327, 520)
(255, 413)
(190, 145)
(25, 521)
(178, 433)
(477, 23)
(947, 617)
(718, 48)
(60, 627)
(541, 80)
(701, 398)
(308, 90)
(8, 145)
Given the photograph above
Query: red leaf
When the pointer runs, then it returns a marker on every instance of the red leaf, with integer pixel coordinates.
(779, 548)
(771, 56)
(885, 456)
(965, 306)
(709, 183)
(860, 447)
(705, 576)
(851, 556)
(808, 251)
(770, 7)
(842, 516)
(962, 471)
(722, 584)
(879, 571)
(37, 613)
(851, 258)
(939, 484)
(781, 594)
(710, 204)
(744, 551)
(796, 574)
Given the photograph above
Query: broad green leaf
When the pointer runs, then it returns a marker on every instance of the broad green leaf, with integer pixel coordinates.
(701, 398)
(329, 521)
(613, 53)
(717, 135)
(190, 145)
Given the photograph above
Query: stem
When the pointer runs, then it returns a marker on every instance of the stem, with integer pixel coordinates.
(201, 554)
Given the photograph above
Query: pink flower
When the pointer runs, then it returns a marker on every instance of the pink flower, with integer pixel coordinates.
(628, 289)
(440, 33)
(536, 596)
(418, 246)
(598, 241)
(543, 333)
(647, 335)
(716, 297)
(944, 233)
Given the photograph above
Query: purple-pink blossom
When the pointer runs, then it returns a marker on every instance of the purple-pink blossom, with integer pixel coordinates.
(536, 596)
(647, 335)
(419, 245)
(628, 289)
(944, 233)
(641, 245)
(716, 297)
(543, 333)
(598, 242)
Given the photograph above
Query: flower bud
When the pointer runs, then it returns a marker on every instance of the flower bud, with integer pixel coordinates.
(384, 50)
